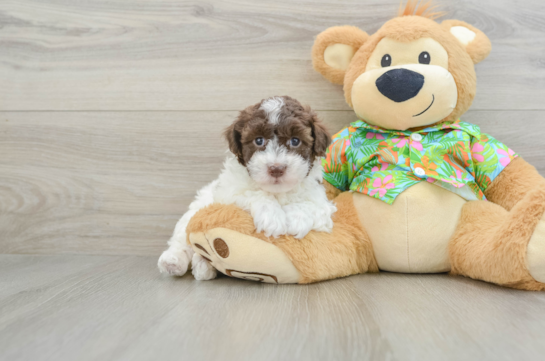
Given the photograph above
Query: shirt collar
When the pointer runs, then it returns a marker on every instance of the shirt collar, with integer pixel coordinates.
(471, 129)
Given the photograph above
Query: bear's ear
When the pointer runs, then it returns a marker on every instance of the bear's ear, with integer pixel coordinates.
(333, 50)
(476, 43)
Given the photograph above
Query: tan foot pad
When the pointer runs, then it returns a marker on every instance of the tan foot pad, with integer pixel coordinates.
(535, 255)
(242, 256)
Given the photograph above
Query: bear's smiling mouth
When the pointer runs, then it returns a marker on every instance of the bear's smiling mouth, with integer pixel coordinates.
(433, 100)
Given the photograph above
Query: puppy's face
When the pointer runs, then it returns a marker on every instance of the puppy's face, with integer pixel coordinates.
(277, 140)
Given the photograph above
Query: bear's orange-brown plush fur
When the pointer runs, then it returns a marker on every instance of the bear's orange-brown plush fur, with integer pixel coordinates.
(499, 240)
(405, 29)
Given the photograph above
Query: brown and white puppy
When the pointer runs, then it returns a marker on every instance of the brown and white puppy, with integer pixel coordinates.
(274, 173)
(278, 140)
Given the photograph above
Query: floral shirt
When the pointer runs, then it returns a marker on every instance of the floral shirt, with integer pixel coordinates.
(383, 163)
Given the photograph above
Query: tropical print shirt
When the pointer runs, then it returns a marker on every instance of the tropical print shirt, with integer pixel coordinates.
(383, 163)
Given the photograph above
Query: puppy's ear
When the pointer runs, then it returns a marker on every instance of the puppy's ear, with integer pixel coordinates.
(233, 134)
(475, 42)
(321, 136)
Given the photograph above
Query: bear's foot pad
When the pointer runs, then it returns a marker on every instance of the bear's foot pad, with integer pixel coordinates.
(242, 256)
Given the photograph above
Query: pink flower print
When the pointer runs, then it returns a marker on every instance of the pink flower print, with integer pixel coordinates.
(400, 142)
(458, 174)
(383, 166)
(508, 156)
(477, 148)
(454, 182)
(372, 135)
(454, 179)
(417, 145)
(382, 186)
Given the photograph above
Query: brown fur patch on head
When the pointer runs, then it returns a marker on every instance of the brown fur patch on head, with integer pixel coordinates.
(321, 136)
(303, 123)
(420, 8)
(293, 120)
(233, 133)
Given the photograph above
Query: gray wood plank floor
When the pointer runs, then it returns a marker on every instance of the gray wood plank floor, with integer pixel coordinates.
(110, 119)
(66, 307)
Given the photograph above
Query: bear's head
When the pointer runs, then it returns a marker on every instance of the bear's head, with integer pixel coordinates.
(412, 73)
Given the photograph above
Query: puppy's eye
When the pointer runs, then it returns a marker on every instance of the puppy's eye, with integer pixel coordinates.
(386, 61)
(424, 58)
(294, 142)
(259, 141)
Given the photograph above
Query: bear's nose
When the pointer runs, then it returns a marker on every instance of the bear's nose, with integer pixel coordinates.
(400, 85)
(277, 171)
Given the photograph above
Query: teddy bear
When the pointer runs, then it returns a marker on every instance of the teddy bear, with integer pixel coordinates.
(417, 189)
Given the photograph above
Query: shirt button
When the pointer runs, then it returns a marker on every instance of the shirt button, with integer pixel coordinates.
(416, 137)
(420, 172)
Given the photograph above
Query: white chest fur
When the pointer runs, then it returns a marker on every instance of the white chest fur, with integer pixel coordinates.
(413, 233)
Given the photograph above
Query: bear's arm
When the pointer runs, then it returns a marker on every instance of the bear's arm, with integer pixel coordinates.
(513, 183)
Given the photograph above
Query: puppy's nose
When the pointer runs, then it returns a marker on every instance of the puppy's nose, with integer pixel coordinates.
(400, 85)
(277, 170)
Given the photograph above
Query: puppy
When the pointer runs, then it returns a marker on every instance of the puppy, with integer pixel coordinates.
(274, 172)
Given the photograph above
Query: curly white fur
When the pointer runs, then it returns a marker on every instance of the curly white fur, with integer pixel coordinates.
(295, 209)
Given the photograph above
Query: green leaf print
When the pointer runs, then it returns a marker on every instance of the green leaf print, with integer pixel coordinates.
(376, 165)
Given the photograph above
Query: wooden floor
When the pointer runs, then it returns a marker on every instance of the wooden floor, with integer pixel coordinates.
(81, 308)
(111, 113)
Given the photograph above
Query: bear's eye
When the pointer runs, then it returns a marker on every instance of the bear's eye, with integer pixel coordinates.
(424, 58)
(386, 61)
(259, 141)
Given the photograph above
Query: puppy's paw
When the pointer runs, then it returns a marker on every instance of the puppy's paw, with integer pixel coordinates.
(323, 222)
(174, 262)
(202, 269)
(270, 220)
(299, 223)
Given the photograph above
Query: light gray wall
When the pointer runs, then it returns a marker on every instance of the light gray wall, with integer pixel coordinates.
(111, 112)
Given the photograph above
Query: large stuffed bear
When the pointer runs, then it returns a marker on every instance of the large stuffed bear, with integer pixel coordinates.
(417, 189)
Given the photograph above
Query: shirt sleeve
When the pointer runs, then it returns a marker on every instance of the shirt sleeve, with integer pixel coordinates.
(335, 163)
(490, 157)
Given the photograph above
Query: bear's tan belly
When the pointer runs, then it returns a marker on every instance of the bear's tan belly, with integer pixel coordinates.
(413, 233)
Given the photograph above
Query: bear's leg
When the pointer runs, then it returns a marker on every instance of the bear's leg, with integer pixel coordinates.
(225, 235)
(240, 255)
(500, 246)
